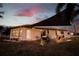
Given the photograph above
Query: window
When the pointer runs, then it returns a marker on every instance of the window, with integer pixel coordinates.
(68, 33)
(15, 33)
(62, 32)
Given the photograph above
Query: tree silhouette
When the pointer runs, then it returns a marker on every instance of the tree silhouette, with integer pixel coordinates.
(1, 12)
(71, 10)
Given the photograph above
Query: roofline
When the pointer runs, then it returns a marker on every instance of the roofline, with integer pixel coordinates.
(28, 26)
(54, 29)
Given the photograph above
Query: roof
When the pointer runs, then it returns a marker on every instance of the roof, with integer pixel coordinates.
(56, 20)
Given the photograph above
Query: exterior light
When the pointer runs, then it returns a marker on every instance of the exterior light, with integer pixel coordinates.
(71, 33)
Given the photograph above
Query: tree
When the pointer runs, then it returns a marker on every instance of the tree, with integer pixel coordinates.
(71, 11)
(1, 12)
(4, 32)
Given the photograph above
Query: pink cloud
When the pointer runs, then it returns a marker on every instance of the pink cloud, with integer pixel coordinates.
(29, 12)
(25, 13)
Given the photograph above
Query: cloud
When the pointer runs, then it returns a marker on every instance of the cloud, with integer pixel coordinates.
(29, 12)
(25, 12)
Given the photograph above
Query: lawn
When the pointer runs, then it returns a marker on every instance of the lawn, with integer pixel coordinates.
(24, 48)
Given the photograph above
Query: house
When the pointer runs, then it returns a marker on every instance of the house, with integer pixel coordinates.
(24, 33)
(56, 25)
(34, 33)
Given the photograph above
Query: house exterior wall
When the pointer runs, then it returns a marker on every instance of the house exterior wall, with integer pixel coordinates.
(52, 34)
(30, 34)
(24, 33)
(36, 34)
(18, 33)
(67, 34)
(14, 33)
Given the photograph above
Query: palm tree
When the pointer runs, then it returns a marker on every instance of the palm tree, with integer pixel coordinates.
(1, 12)
(1, 16)
(71, 11)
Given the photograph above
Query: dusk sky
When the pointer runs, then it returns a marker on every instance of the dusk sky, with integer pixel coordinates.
(20, 14)
(29, 13)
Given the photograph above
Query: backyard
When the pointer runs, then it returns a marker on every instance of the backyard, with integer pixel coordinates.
(33, 48)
